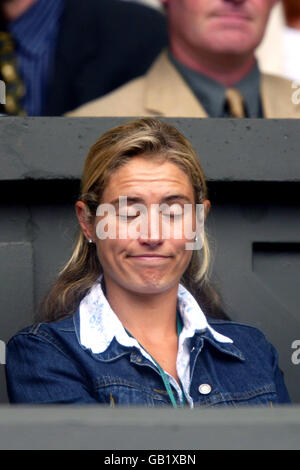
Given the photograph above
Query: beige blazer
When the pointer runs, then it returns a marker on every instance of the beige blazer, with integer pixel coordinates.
(163, 92)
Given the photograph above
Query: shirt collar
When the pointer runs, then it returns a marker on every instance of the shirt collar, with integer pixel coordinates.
(37, 27)
(211, 94)
(99, 324)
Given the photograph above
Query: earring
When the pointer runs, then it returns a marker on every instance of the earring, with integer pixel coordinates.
(90, 240)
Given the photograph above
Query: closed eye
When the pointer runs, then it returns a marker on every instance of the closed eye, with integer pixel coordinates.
(129, 215)
(172, 215)
(174, 210)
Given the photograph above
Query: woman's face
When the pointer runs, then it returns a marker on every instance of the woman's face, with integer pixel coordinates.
(143, 248)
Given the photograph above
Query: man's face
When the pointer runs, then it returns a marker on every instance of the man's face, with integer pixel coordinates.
(148, 263)
(218, 26)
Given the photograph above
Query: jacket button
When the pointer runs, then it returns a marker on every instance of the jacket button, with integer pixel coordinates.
(204, 389)
(138, 359)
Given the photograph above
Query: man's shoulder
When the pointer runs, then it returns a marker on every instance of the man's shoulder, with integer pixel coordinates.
(277, 80)
(115, 41)
(129, 99)
(117, 9)
(151, 94)
(124, 101)
(280, 96)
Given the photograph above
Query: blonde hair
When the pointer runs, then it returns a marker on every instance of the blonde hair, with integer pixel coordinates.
(150, 138)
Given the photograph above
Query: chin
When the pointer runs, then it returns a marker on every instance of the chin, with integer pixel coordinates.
(234, 42)
(153, 286)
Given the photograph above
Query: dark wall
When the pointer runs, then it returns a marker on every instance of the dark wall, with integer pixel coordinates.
(253, 173)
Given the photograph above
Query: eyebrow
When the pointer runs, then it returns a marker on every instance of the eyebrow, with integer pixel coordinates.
(167, 199)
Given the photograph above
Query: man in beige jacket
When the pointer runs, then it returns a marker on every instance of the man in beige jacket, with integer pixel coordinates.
(209, 70)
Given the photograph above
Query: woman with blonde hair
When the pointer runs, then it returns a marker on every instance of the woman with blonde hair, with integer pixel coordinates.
(133, 318)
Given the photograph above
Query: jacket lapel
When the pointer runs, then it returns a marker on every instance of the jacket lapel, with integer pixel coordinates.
(167, 94)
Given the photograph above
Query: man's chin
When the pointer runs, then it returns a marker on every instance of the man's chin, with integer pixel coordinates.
(234, 41)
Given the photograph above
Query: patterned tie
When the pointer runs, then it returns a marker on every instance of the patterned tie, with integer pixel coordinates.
(235, 103)
(15, 89)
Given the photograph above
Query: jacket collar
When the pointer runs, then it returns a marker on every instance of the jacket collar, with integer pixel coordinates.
(166, 92)
(227, 348)
(99, 330)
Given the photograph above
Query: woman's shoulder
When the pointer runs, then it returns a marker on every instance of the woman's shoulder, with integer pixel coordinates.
(243, 335)
(54, 332)
(247, 338)
(232, 324)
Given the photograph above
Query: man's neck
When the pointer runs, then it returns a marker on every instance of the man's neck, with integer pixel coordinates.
(227, 70)
(152, 317)
(13, 9)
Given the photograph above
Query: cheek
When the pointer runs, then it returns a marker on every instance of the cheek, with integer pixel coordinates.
(199, 7)
(184, 255)
(105, 252)
(185, 227)
(179, 230)
(112, 253)
(101, 253)
(262, 8)
(106, 249)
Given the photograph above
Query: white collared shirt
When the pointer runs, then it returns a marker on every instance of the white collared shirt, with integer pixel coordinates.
(99, 325)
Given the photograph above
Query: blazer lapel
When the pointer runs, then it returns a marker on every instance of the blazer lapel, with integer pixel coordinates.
(167, 94)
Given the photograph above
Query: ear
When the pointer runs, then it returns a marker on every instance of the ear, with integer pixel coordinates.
(207, 206)
(84, 220)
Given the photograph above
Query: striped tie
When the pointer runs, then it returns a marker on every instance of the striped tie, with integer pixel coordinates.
(14, 86)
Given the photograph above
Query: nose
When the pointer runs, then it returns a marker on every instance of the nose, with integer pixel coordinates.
(151, 242)
(152, 233)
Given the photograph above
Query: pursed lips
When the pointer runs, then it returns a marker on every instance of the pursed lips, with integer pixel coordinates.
(152, 256)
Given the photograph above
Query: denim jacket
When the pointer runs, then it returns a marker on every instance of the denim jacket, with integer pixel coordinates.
(46, 363)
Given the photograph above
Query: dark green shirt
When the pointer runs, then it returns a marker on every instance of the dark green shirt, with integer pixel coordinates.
(211, 94)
